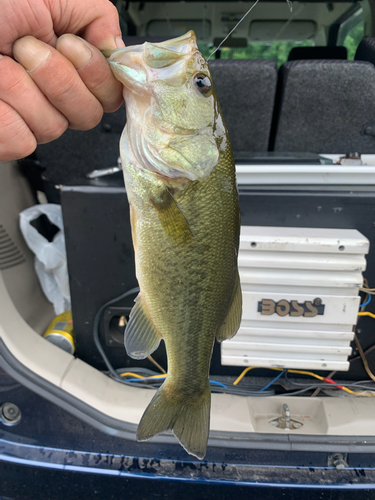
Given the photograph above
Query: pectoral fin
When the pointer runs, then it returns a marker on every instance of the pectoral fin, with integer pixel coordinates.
(172, 218)
(231, 324)
(141, 336)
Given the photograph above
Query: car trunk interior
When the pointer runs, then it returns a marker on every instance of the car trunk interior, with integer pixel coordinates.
(330, 419)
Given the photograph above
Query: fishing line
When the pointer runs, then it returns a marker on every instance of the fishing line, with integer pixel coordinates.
(290, 5)
(229, 34)
(291, 18)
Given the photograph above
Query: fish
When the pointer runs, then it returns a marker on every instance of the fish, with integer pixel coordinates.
(181, 185)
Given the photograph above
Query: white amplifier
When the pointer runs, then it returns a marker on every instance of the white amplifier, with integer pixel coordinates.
(300, 297)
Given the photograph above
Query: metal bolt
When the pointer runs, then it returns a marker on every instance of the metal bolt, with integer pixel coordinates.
(317, 301)
(338, 461)
(10, 414)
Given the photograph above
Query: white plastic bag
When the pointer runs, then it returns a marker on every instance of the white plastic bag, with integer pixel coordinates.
(50, 257)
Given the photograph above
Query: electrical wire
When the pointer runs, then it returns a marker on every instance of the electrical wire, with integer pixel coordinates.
(367, 301)
(317, 390)
(311, 374)
(150, 358)
(359, 384)
(272, 381)
(297, 393)
(367, 351)
(153, 380)
(363, 357)
(301, 372)
(366, 313)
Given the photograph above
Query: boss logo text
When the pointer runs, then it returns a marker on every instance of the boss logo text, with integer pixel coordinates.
(306, 309)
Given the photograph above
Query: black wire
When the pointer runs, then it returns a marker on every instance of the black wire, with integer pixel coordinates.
(98, 315)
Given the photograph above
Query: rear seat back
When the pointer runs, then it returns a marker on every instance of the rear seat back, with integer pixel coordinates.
(366, 50)
(318, 52)
(246, 90)
(325, 106)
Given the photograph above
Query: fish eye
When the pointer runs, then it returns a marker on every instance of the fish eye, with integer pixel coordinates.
(202, 83)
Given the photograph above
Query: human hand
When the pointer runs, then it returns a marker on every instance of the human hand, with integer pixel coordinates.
(52, 79)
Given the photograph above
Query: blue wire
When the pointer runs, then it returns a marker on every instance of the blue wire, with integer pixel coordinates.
(163, 376)
(218, 383)
(142, 379)
(367, 301)
(272, 381)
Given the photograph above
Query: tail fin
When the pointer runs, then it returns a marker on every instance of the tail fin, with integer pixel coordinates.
(188, 417)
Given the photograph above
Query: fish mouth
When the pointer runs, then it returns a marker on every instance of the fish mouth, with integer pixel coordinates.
(136, 66)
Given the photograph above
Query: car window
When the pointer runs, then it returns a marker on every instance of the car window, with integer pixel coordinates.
(273, 51)
(351, 33)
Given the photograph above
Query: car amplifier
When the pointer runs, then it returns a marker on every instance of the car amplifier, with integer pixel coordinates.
(300, 297)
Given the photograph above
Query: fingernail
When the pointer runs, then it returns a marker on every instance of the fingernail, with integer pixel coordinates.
(30, 52)
(119, 42)
(75, 49)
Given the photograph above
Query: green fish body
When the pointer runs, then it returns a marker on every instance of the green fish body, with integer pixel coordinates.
(180, 180)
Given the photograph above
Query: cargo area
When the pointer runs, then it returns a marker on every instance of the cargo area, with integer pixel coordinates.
(303, 137)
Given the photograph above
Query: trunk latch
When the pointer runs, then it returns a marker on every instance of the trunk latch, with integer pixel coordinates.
(285, 421)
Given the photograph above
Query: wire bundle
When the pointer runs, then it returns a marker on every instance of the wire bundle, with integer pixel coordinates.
(145, 378)
(142, 377)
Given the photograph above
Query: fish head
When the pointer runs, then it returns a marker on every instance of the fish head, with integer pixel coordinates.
(174, 124)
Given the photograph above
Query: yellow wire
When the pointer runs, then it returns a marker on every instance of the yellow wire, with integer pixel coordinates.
(135, 375)
(301, 372)
(366, 313)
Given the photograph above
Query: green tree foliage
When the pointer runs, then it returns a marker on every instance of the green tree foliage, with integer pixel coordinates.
(273, 51)
(353, 39)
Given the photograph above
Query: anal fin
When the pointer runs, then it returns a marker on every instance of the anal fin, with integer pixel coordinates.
(231, 323)
(141, 336)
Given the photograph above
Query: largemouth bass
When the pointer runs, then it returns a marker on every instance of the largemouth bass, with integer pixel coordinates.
(180, 181)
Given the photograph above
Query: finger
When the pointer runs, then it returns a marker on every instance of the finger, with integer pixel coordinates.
(98, 22)
(16, 139)
(93, 69)
(57, 78)
(20, 92)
